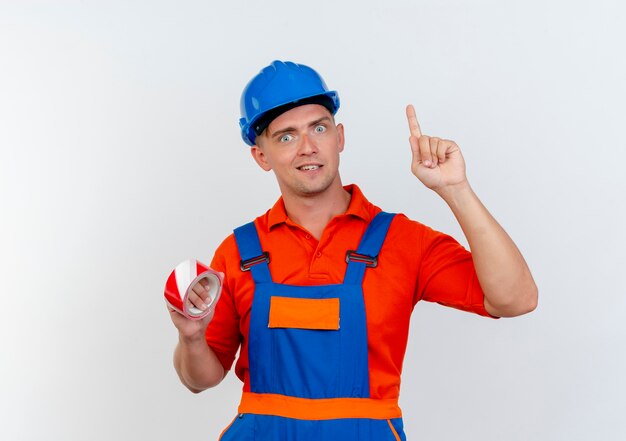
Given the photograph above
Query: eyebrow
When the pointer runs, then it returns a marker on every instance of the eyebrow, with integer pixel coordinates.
(291, 129)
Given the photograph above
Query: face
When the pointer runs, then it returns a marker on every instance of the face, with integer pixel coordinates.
(302, 146)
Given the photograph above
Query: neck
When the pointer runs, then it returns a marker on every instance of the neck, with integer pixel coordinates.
(315, 211)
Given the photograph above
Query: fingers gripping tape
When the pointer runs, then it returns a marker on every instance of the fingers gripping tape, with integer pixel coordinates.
(180, 285)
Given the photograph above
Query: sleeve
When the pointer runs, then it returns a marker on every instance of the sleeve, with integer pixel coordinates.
(222, 334)
(447, 275)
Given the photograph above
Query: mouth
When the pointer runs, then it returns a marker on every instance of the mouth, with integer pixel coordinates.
(309, 167)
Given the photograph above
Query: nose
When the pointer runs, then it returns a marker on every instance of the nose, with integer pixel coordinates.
(307, 146)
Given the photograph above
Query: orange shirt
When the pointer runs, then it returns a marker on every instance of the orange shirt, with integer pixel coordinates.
(415, 263)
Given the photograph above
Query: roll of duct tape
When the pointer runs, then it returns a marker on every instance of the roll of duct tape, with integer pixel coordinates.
(181, 282)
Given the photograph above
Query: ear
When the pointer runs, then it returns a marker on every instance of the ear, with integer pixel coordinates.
(259, 157)
(341, 137)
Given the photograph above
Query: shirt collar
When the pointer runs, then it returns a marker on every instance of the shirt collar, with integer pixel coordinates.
(359, 207)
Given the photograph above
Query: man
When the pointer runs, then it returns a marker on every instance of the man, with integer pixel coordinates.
(319, 290)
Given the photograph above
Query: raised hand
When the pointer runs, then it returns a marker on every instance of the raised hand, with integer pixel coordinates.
(437, 163)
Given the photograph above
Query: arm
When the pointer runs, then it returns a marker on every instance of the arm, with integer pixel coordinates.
(501, 269)
(196, 364)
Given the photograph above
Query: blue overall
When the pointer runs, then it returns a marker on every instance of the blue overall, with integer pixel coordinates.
(312, 364)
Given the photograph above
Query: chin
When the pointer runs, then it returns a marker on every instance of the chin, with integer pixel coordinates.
(313, 190)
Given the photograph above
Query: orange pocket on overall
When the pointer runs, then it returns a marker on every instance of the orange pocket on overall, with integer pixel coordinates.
(290, 312)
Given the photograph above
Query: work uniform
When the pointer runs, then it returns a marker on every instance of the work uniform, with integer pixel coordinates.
(321, 358)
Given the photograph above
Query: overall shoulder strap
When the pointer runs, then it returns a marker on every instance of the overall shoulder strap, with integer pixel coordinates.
(369, 248)
(253, 258)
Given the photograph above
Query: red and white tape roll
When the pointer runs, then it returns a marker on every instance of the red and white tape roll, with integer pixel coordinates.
(182, 280)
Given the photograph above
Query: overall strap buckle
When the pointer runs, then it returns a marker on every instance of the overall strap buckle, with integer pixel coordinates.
(245, 265)
(370, 261)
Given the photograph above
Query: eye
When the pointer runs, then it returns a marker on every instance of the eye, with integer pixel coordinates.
(320, 129)
(286, 138)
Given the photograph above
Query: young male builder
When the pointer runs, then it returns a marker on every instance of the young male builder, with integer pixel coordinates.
(319, 290)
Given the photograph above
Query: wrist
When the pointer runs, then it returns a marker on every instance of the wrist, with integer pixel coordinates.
(455, 193)
(191, 339)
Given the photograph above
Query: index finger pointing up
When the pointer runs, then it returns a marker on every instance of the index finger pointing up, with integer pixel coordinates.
(414, 126)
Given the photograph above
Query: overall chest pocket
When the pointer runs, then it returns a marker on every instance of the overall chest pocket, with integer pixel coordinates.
(306, 341)
(290, 312)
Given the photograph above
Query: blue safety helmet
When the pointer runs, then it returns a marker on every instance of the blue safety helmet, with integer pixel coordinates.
(277, 88)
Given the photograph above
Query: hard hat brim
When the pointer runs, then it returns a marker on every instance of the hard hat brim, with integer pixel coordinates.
(249, 129)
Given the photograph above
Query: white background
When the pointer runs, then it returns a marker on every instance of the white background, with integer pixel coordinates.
(120, 156)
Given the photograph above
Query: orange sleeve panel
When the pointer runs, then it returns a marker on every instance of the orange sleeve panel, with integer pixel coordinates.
(223, 334)
(415, 263)
(447, 275)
